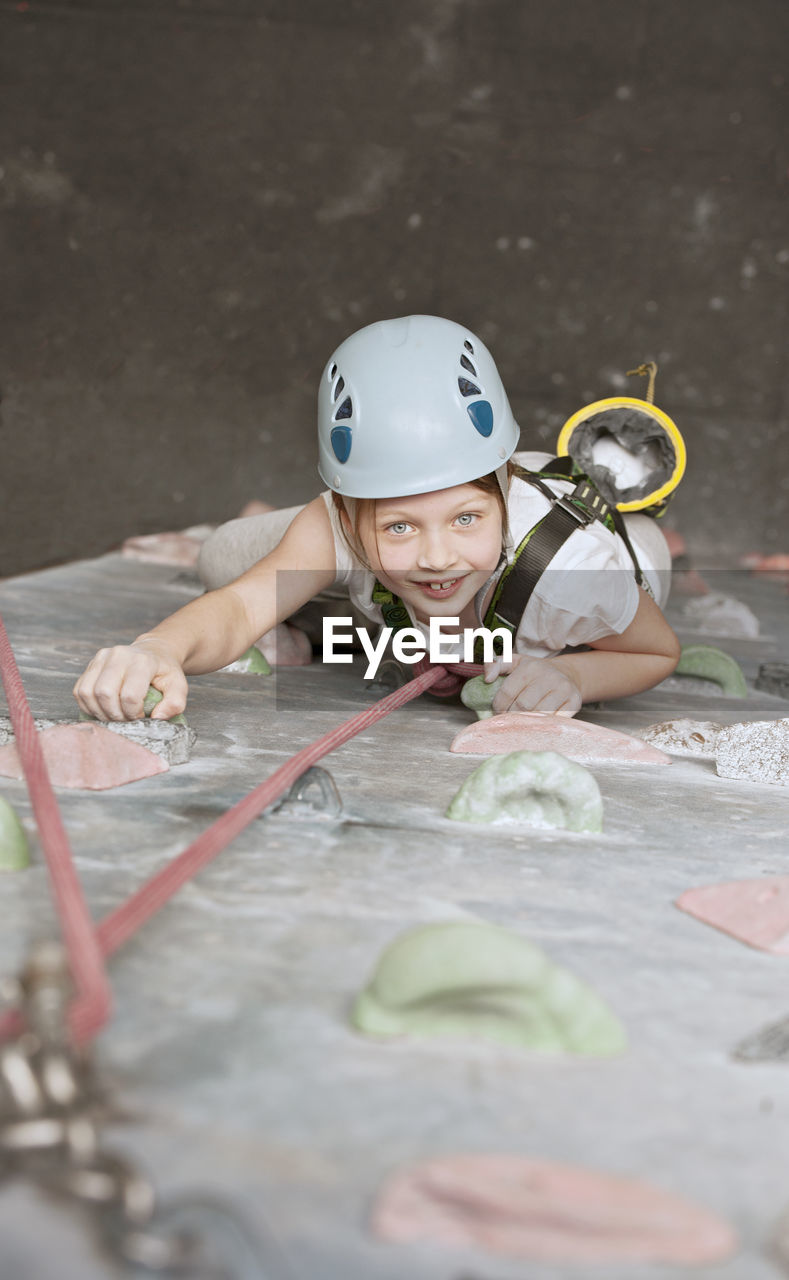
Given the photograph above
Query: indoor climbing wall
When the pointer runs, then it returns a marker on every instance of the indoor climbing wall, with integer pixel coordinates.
(460, 1005)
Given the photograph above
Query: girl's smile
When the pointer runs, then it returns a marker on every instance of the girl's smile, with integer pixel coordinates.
(435, 550)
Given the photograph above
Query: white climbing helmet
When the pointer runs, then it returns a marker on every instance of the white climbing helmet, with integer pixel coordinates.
(412, 405)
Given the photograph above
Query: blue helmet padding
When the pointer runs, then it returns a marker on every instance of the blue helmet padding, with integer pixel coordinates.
(481, 414)
(341, 443)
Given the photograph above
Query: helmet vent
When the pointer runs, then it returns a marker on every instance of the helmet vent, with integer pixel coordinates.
(468, 388)
(468, 346)
(466, 363)
(338, 389)
(332, 373)
(345, 410)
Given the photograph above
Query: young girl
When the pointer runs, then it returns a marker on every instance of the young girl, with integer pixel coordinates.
(425, 508)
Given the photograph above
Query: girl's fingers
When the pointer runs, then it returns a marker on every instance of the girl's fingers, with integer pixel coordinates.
(174, 690)
(496, 668)
(114, 684)
(534, 685)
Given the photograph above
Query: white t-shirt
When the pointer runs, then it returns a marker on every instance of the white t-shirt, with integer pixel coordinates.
(588, 591)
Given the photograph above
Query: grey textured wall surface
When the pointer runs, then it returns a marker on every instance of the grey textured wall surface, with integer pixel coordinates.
(198, 200)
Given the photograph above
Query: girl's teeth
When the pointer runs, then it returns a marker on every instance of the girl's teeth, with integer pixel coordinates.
(442, 586)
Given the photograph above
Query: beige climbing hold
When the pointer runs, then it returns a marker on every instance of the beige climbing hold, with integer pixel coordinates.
(536, 731)
(757, 750)
(14, 849)
(171, 740)
(533, 788)
(86, 756)
(684, 737)
(540, 1210)
(755, 912)
(477, 980)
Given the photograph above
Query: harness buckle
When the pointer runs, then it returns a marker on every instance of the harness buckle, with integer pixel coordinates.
(582, 518)
(594, 505)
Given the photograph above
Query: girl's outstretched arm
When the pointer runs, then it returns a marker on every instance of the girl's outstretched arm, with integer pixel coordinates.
(213, 630)
(643, 655)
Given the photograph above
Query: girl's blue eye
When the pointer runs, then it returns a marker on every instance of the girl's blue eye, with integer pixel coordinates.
(466, 519)
(399, 526)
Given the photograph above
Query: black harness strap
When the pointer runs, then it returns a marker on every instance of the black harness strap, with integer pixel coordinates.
(573, 511)
(621, 528)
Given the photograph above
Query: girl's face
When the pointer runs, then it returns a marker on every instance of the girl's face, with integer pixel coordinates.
(434, 550)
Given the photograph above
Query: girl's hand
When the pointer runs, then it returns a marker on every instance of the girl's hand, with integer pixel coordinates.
(533, 684)
(114, 684)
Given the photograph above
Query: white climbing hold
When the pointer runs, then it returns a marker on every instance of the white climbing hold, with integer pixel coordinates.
(534, 788)
(721, 615)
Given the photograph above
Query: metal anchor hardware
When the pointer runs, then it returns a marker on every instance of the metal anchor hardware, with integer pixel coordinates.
(314, 794)
(390, 675)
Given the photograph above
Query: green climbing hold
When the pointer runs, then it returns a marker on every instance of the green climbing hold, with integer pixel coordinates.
(705, 661)
(468, 979)
(478, 696)
(535, 788)
(254, 663)
(14, 850)
(251, 663)
(152, 699)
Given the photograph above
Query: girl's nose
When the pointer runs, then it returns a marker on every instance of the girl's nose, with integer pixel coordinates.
(436, 552)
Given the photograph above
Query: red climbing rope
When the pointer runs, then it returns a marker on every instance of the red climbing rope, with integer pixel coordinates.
(87, 946)
(117, 927)
(91, 1005)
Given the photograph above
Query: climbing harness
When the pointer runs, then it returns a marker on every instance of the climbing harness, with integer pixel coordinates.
(48, 1086)
(535, 552)
(537, 549)
(624, 455)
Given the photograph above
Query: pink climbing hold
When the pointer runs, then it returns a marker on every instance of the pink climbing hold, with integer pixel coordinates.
(254, 508)
(676, 543)
(755, 912)
(175, 548)
(536, 731)
(775, 565)
(688, 582)
(87, 756)
(543, 1211)
(286, 646)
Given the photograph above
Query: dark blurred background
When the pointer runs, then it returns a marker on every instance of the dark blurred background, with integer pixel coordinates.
(200, 198)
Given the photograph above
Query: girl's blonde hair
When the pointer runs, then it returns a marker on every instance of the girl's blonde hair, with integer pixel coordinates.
(364, 507)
